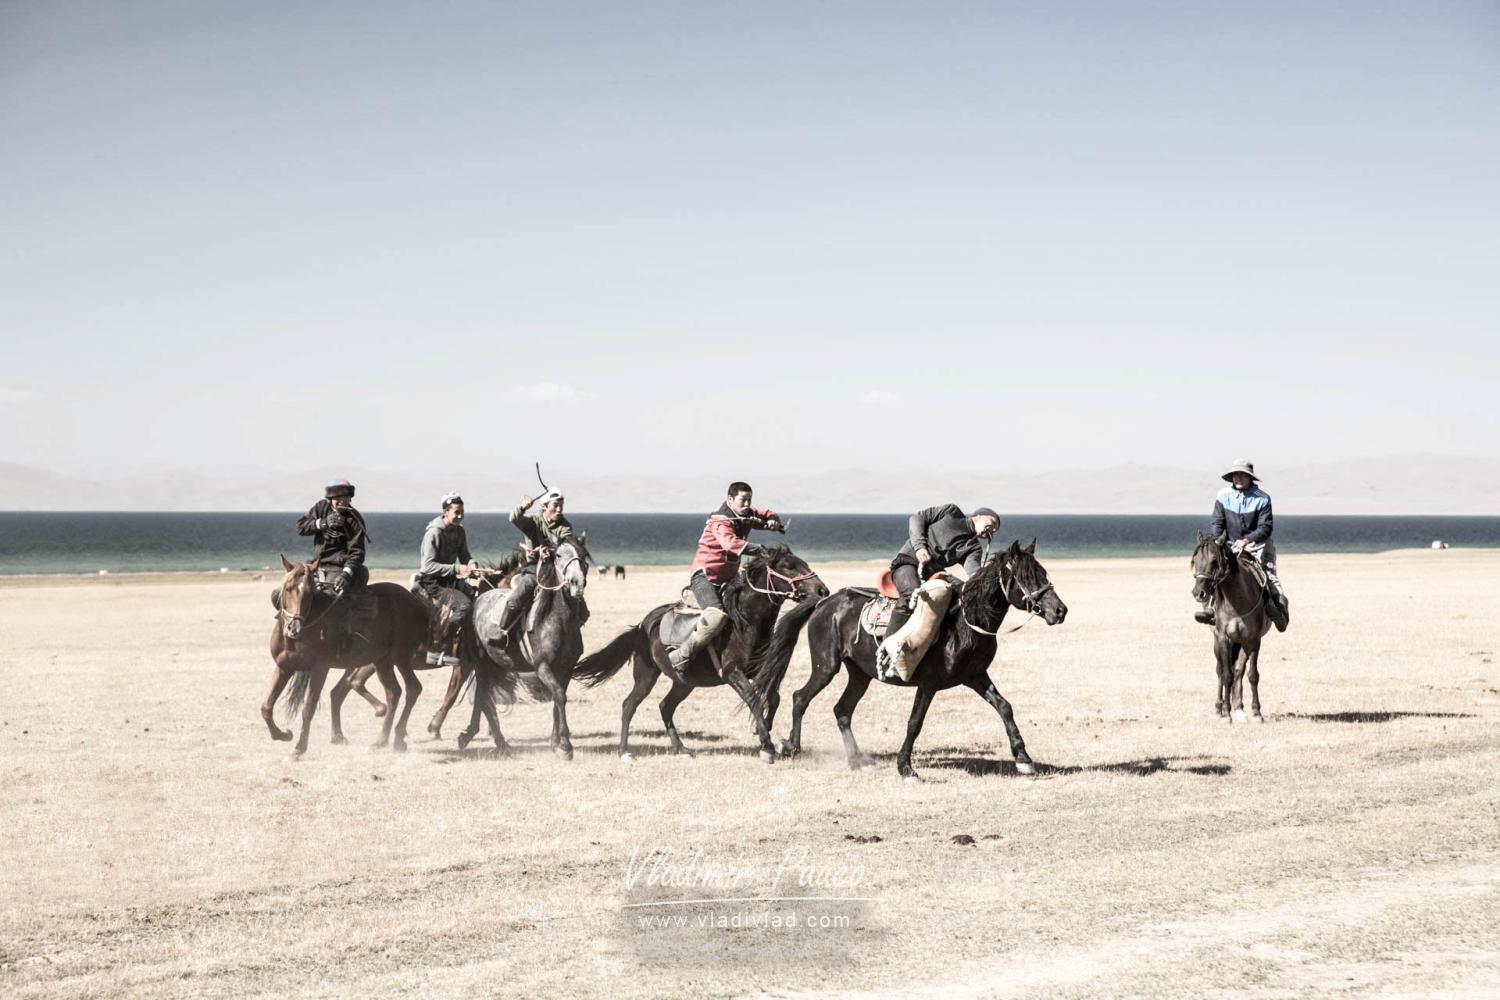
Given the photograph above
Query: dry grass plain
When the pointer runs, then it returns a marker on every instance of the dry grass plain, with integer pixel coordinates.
(156, 842)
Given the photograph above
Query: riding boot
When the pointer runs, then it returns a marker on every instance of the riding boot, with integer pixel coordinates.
(1278, 610)
(900, 615)
(702, 633)
(510, 616)
(1205, 614)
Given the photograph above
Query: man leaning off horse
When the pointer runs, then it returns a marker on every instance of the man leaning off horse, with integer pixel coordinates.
(544, 532)
(1242, 510)
(446, 564)
(724, 540)
(936, 538)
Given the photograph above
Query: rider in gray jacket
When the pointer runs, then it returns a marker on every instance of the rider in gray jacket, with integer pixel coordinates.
(937, 537)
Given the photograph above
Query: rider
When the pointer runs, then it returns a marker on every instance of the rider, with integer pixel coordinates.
(338, 533)
(544, 532)
(718, 560)
(937, 537)
(446, 565)
(1243, 510)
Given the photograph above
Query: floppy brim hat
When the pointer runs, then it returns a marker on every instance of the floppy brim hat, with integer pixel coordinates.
(1243, 465)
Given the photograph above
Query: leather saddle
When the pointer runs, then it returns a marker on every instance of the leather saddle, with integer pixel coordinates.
(677, 625)
(875, 617)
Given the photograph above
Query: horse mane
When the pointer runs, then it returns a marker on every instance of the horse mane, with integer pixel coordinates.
(983, 600)
(740, 589)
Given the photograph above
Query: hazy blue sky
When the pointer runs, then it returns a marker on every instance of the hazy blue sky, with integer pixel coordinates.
(1030, 236)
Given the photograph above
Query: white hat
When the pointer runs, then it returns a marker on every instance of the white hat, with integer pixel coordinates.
(1243, 465)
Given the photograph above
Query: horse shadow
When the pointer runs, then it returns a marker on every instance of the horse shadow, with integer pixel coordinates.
(1365, 717)
(983, 767)
(699, 744)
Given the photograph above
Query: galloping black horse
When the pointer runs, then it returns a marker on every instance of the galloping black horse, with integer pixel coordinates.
(961, 654)
(751, 600)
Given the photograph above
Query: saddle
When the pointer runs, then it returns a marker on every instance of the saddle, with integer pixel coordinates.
(678, 623)
(1250, 565)
(875, 617)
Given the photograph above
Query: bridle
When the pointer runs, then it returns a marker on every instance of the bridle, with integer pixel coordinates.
(777, 596)
(1216, 583)
(288, 617)
(560, 572)
(1029, 599)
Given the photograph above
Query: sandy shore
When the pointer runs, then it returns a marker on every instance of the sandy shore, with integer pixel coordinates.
(157, 842)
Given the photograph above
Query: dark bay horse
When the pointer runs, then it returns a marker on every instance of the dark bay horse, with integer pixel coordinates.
(304, 648)
(1240, 620)
(961, 654)
(542, 656)
(752, 601)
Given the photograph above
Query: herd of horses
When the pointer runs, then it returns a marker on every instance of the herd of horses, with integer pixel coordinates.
(751, 656)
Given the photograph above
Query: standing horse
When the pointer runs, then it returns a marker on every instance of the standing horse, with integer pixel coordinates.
(961, 654)
(300, 647)
(1240, 620)
(752, 611)
(553, 632)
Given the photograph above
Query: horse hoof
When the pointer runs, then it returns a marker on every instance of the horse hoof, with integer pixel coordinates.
(1025, 767)
(787, 750)
(380, 712)
(768, 756)
(1257, 717)
(281, 736)
(399, 747)
(566, 753)
(627, 756)
(861, 762)
(463, 741)
(1239, 715)
(913, 778)
(339, 740)
(297, 752)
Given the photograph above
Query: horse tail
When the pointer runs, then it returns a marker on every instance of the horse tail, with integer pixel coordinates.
(768, 667)
(600, 666)
(296, 693)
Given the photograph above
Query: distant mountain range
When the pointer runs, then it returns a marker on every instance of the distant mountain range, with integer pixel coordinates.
(1405, 484)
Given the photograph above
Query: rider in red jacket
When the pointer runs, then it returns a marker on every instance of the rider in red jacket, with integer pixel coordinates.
(717, 561)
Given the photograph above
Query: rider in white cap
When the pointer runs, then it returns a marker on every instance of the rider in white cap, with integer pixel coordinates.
(544, 532)
(1242, 510)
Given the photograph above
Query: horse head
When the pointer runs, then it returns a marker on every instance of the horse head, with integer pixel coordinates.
(298, 589)
(780, 573)
(574, 560)
(1212, 564)
(1027, 587)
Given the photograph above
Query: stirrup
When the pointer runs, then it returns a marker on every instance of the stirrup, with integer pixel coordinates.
(437, 658)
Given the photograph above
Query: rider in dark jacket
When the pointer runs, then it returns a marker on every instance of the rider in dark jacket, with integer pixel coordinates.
(937, 538)
(339, 538)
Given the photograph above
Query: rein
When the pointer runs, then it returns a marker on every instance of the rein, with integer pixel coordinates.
(288, 617)
(560, 572)
(777, 596)
(1028, 598)
(1217, 585)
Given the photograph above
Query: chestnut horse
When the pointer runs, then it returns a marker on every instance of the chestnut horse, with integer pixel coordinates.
(304, 647)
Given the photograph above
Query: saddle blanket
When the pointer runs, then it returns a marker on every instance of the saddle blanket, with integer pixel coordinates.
(875, 618)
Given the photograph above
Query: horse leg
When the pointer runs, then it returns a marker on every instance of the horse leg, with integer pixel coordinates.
(919, 707)
(1223, 658)
(1237, 684)
(315, 678)
(1253, 670)
(823, 671)
(741, 685)
(336, 698)
(361, 676)
(985, 688)
(413, 689)
(646, 676)
(562, 743)
(843, 712)
(669, 704)
(481, 695)
(279, 677)
(455, 684)
(387, 674)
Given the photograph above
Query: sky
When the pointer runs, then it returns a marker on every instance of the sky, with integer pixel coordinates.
(761, 239)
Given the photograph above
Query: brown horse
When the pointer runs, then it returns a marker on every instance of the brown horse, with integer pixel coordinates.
(304, 647)
(1240, 620)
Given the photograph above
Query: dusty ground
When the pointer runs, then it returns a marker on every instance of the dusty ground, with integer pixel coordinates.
(155, 841)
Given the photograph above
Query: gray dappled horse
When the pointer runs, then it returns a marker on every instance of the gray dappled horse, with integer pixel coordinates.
(752, 601)
(960, 655)
(1240, 620)
(548, 644)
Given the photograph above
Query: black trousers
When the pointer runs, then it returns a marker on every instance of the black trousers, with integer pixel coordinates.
(705, 591)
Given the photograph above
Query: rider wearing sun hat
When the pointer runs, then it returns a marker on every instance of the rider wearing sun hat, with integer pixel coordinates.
(1242, 511)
